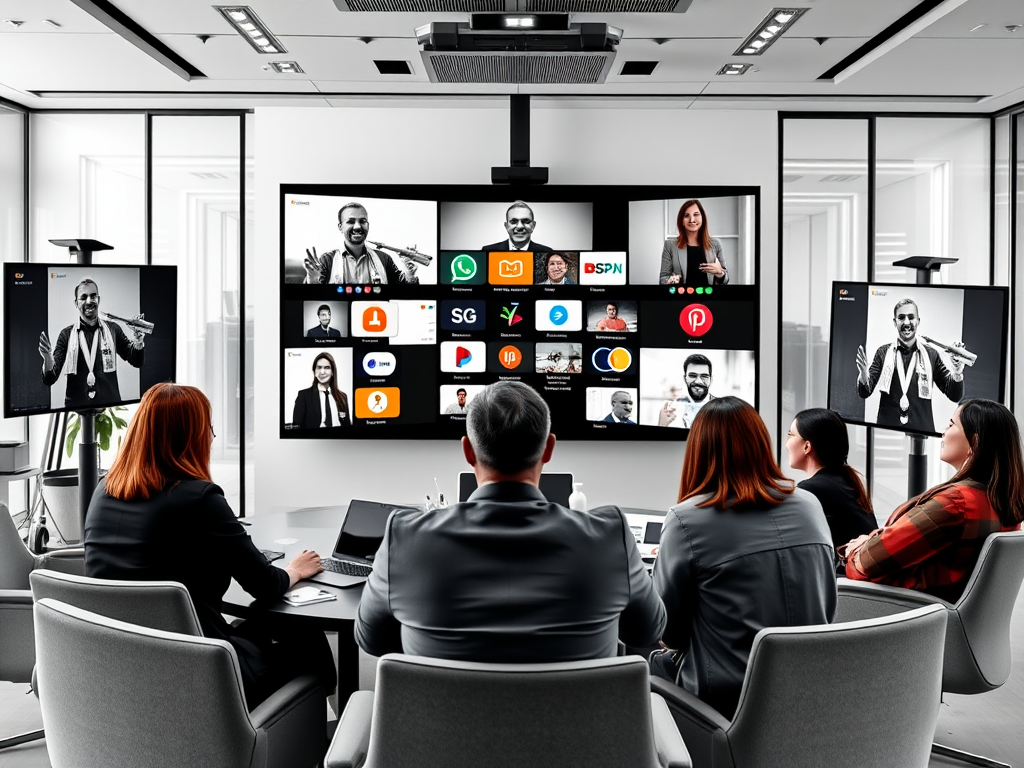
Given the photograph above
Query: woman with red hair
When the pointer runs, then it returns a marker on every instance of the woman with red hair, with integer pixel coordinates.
(743, 549)
(158, 517)
(693, 257)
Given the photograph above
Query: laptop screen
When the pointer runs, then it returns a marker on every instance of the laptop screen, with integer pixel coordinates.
(363, 529)
(556, 486)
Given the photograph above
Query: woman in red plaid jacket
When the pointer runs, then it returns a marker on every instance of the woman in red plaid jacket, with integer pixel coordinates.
(932, 542)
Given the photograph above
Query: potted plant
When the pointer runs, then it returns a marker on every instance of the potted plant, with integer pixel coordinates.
(108, 423)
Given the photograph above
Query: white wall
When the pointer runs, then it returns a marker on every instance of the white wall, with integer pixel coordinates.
(422, 144)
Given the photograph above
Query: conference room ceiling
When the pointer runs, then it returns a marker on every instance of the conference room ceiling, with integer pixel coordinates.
(943, 66)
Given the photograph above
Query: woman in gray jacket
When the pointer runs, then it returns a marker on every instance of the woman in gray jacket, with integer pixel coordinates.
(694, 257)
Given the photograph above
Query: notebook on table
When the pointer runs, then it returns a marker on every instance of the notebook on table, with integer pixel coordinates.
(358, 541)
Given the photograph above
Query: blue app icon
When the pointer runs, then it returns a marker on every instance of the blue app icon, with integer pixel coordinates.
(558, 315)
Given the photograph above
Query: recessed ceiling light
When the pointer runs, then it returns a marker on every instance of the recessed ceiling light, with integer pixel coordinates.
(249, 26)
(770, 29)
(734, 69)
(975, 29)
(52, 23)
(286, 67)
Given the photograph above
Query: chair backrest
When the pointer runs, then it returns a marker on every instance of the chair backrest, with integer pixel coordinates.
(985, 607)
(15, 560)
(452, 714)
(163, 605)
(117, 695)
(862, 693)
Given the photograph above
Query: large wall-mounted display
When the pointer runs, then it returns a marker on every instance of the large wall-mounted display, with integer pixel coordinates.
(399, 303)
(903, 356)
(80, 337)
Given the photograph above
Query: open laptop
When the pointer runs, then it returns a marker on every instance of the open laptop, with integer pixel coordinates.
(556, 486)
(359, 539)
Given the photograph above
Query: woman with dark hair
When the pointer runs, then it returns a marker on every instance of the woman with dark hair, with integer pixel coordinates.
(819, 445)
(693, 257)
(932, 542)
(158, 517)
(322, 404)
(742, 550)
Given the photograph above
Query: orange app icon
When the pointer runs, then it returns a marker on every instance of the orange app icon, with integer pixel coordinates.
(510, 357)
(375, 319)
(515, 268)
(377, 402)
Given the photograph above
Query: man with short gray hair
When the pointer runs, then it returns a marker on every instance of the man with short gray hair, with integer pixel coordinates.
(508, 576)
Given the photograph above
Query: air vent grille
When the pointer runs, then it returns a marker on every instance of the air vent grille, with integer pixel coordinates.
(578, 68)
(842, 178)
(427, 6)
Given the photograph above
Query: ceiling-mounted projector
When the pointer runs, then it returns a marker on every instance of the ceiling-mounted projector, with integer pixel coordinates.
(518, 48)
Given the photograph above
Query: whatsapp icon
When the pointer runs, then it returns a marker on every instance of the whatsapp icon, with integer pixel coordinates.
(461, 268)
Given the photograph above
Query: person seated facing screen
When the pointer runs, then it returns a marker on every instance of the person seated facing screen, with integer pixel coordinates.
(508, 576)
(932, 542)
(158, 517)
(742, 550)
(819, 444)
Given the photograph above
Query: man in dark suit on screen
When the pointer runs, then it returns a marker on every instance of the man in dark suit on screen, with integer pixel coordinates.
(324, 330)
(519, 223)
(507, 576)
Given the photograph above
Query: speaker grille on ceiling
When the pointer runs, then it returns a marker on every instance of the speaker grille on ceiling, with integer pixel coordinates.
(466, 68)
(427, 6)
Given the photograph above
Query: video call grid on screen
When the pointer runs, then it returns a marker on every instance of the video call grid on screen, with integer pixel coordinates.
(866, 315)
(40, 298)
(481, 312)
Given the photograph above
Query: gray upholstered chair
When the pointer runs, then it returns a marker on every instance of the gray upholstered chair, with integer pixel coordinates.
(119, 695)
(16, 562)
(164, 605)
(434, 713)
(17, 647)
(857, 695)
(977, 651)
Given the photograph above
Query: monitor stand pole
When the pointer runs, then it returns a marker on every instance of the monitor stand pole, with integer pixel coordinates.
(917, 478)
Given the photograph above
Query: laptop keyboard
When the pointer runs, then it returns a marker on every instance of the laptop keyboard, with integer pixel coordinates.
(345, 567)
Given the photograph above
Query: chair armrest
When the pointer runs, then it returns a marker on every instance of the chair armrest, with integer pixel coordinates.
(352, 738)
(294, 720)
(17, 638)
(702, 727)
(672, 752)
(867, 600)
(70, 560)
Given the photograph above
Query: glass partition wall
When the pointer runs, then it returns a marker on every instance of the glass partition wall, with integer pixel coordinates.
(162, 188)
(858, 194)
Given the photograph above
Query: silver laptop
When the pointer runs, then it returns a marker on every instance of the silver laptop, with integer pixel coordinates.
(358, 542)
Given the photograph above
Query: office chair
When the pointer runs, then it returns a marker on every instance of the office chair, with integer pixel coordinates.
(435, 713)
(863, 694)
(17, 646)
(977, 650)
(119, 695)
(17, 649)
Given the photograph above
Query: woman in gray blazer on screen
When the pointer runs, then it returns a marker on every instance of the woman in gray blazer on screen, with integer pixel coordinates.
(694, 257)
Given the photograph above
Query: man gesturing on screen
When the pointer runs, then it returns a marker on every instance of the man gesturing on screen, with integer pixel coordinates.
(905, 372)
(356, 263)
(91, 347)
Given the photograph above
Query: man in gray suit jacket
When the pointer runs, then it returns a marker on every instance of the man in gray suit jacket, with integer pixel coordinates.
(507, 576)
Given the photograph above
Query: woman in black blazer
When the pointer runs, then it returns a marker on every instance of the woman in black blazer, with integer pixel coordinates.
(818, 444)
(158, 517)
(311, 406)
(694, 257)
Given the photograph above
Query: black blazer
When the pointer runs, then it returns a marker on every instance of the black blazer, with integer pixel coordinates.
(502, 245)
(185, 533)
(319, 333)
(838, 498)
(306, 413)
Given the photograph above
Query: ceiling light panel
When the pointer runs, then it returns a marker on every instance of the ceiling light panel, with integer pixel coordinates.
(734, 69)
(770, 29)
(287, 67)
(249, 26)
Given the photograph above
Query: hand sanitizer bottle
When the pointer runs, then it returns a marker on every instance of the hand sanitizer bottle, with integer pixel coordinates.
(577, 501)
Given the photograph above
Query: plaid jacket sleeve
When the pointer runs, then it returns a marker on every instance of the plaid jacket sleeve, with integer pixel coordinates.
(910, 540)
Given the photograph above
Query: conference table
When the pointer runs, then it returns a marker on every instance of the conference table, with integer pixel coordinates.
(311, 528)
(317, 528)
